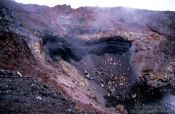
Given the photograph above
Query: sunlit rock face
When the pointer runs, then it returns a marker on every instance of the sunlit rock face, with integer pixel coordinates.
(97, 57)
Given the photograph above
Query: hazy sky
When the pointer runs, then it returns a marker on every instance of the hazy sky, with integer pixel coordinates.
(143, 4)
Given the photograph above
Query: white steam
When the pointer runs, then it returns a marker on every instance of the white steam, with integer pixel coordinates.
(141, 4)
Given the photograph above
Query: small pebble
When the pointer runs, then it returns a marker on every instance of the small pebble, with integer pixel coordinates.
(38, 97)
(18, 73)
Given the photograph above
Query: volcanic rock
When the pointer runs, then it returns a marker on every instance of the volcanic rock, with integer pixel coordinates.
(88, 59)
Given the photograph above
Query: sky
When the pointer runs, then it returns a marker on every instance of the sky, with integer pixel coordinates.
(161, 5)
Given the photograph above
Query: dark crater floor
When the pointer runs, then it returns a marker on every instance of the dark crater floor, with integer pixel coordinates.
(25, 95)
(104, 61)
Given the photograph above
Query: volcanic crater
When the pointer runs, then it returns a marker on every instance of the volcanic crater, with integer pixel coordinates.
(87, 60)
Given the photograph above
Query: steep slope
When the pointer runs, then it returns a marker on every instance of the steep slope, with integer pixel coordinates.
(25, 94)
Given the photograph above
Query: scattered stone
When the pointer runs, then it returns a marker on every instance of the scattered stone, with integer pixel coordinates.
(102, 85)
(86, 73)
(121, 83)
(39, 98)
(134, 95)
(18, 73)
